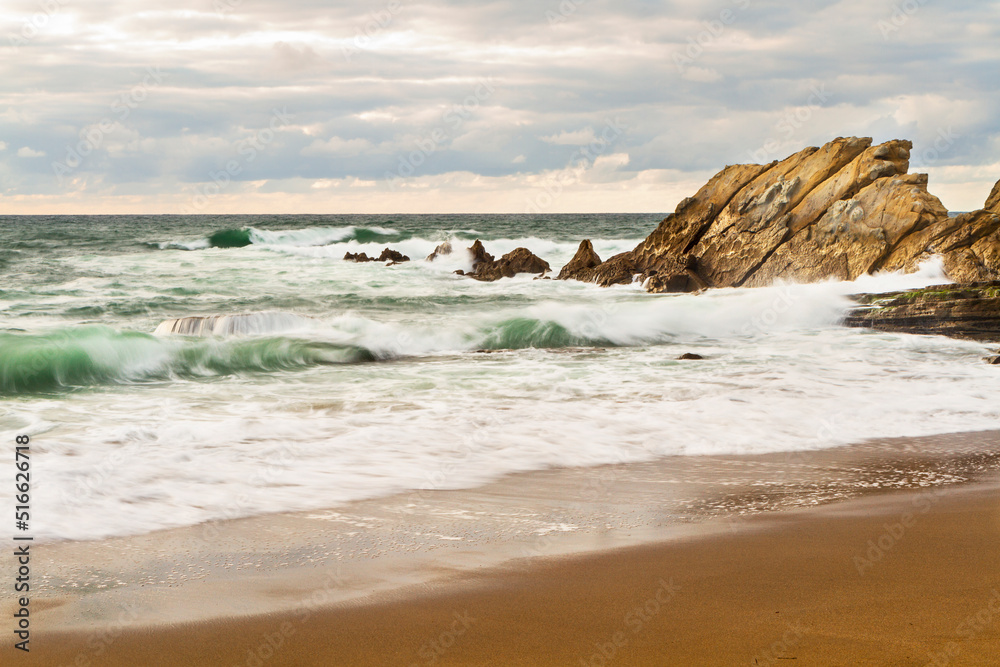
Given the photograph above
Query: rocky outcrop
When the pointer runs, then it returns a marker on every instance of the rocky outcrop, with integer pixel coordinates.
(394, 256)
(520, 260)
(962, 311)
(839, 211)
(388, 255)
(583, 261)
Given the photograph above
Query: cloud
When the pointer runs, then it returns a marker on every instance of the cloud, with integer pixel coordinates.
(338, 146)
(577, 138)
(372, 91)
(702, 74)
(29, 152)
(3, 145)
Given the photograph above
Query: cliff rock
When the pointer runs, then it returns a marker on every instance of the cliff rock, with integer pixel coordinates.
(839, 211)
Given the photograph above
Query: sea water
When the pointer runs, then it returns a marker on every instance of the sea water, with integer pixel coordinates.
(350, 381)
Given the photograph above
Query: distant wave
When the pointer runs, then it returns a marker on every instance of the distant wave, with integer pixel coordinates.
(313, 236)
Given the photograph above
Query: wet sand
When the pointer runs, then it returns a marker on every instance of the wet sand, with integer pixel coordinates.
(848, 573)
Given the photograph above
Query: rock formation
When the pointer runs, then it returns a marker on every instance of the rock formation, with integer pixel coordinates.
(520, 260)
(388, 255)
(584, 260)
(394, 256)
(962, 311)
(440, 251)
(840, 211)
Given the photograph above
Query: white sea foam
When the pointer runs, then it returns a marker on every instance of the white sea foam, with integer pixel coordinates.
(779, 374)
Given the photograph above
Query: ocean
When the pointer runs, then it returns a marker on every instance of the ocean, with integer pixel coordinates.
(361, 380)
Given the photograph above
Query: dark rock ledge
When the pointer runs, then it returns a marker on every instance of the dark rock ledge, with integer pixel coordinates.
(970, 310)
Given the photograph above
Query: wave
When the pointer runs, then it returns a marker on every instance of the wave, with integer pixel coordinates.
(245, 324)
(313, 236)
(90, 356)
(274, 341)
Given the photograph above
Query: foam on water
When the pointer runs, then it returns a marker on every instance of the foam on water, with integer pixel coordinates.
(324, 381)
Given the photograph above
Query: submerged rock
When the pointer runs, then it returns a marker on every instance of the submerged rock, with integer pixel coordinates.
(520, 260)
(839, 211)
(690, 356)
(962, 311)
(440, 251)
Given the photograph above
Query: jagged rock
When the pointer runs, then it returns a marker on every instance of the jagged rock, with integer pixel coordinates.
(855, 236)
(440, 251)
(480, 256)
(962, 311)
(519, 260)
(394, 256)
(752, 226)
(969, 244)
(583, 261)
(840, 211)
(358, 257)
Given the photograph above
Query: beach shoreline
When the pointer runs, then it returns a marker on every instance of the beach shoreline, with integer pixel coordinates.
(304, 569)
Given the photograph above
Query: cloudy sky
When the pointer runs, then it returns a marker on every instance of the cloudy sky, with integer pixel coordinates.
(256, 106)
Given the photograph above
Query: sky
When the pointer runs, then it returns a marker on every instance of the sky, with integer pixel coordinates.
(454, 106)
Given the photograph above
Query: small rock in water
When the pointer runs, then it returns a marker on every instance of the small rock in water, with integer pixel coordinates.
(690, 356)
(441, 250)
(394, 256)
(358, 257)
(992, 361)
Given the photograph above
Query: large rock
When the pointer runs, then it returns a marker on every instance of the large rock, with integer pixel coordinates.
(519, 260)
(855, 236)
(839, 211)
(756, 221)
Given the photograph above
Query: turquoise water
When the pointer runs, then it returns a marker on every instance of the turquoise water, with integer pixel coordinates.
(361, 380)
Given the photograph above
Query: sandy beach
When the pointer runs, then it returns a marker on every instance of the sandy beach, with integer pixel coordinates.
(836, 569)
